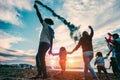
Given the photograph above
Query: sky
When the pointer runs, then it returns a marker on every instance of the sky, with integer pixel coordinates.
(20, 28)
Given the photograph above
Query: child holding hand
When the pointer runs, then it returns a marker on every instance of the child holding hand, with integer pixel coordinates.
(62, 58)
(99, 61)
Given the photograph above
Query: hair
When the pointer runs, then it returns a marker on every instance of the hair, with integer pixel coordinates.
(49, 21)
(62, 49)
(85, 33)
(115, 36)
(99, 54)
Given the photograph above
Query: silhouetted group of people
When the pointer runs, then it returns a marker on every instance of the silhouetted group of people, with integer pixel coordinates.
(46, 42)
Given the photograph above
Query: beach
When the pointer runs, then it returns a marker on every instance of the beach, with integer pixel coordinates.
(26, 74)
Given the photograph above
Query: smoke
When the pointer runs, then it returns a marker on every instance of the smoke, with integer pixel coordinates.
(74, 30)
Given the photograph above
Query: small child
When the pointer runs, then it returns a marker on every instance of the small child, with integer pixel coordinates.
(62, 55)
(101, 64)
(114, 65)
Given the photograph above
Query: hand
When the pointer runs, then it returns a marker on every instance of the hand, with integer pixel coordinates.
(109, 34)
(36, 1)
(89, 26)
(35, 6)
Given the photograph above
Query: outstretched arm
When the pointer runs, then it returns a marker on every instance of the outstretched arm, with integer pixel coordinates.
(92, 32)
(54, 54)
(77, 46)
(69, 52)
(38, 13)
(110, 51)
(54, 14)
(71, 26)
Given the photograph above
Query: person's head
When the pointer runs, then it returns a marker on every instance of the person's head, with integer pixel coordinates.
(85, 33)
(49, 21)
(115, 36)
(99, 54)
(62, 49)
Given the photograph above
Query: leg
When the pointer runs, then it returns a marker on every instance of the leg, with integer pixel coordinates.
(118, 59)
(63, 66)
(43, 49)
(85, 66)
(38, 64)
(90, 68)
(105, 72)
(99, 71)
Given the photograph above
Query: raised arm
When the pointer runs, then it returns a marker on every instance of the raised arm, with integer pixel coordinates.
(71, 26)
(92, 31)
(38, 13)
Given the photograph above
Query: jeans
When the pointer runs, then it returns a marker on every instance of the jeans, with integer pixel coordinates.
(87, 57)
(40, 58)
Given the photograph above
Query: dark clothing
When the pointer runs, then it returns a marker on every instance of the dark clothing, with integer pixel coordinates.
(114, 66)
(101, 68)
(86, 42)
(116, 43)
(40, 58)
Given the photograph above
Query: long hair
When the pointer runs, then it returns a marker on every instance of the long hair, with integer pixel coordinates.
(62, 49)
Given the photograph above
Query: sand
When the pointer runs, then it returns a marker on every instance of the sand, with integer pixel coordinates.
(26, 74)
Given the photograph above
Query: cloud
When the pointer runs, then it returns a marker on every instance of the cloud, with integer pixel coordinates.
(6, 40)
(9, 13)
(6, 58)
(16, 56)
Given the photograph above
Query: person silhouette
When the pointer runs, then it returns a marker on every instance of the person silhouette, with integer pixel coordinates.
(86, 42)
(116, 46)
(62, 55)
(114, 65)
(74, 30)
(99, 61)
(46, 41)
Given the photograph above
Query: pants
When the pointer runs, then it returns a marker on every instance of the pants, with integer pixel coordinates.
(40, 58)
(118, 59)
(101, 68)
(87, 57)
